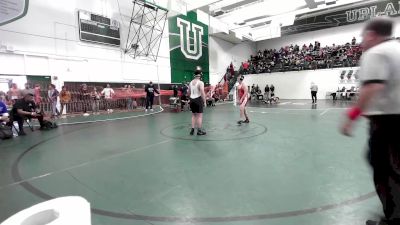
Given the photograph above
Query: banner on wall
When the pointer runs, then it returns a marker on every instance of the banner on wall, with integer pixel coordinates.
(343, 17)
(188, 42)
(11, 10)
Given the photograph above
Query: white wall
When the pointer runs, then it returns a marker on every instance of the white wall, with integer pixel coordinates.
(338, 35)
(296, 85)
(46, 42)
(222, 53)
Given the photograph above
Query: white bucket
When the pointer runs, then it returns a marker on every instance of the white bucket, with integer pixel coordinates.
(60, 211)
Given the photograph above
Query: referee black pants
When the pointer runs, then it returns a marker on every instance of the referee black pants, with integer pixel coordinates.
(20, 120)
(149, 101)
(314, 96)
(384, 157)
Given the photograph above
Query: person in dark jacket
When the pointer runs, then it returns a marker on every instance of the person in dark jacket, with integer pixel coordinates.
(184, 96)
(26, 108)
(272, 89)
(266, 92)
(175, 89)
(150, 89)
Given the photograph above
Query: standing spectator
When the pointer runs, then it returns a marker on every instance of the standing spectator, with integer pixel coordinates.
(2, 96)
(253, 89)
(26, 90)
(129, 93)
(314, 90)
(65, 98)
(209, 97)
(266, 92)
(175, 89)
(143, 97)
(108, 93)
(52, 95)
(272, 89)
(85, 98)
(245, 66)
(37, 94)
(184, 96)
(14, 93)
(95, 95)
(150, 89)
(379, 101)
(231, 69)
(353, 41)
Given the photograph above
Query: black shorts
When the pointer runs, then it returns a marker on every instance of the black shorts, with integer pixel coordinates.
(197, 105)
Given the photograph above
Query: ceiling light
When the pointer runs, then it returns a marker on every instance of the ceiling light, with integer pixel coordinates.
(218, 12)
(330, 2)
(240, 23)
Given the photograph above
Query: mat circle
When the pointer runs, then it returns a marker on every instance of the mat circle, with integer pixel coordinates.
(219, 131)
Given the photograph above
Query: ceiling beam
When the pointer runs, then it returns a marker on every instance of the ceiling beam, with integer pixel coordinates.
(193, 5)
(311, 4)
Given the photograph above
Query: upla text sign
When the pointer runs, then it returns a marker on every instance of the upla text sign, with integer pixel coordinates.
(362, 13)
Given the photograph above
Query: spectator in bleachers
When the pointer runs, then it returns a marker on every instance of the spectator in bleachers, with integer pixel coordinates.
(353, 41)
(65, 98)
(291, 58)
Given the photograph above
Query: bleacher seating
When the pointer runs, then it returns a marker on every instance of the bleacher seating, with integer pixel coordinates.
(311, 57)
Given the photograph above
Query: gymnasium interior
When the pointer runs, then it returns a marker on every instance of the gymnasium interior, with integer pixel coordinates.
(107, 158)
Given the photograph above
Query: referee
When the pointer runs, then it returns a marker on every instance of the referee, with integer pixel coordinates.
(380, 102)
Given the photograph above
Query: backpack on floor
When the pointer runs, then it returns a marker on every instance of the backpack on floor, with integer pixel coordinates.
(47, 125)
(5, 132)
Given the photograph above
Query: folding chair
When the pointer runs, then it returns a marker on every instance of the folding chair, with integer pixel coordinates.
(29, 122)
(14, 127)
(174, 103)
(186, 106)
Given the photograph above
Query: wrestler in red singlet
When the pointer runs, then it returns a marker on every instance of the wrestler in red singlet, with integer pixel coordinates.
(243, 95)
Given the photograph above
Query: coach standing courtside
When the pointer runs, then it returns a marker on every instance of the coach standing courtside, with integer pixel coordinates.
(380, 102)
